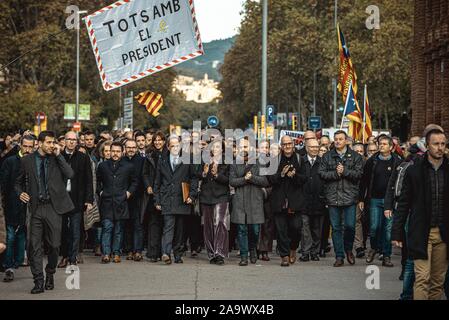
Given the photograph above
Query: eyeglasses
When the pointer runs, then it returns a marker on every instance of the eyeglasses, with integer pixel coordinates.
(71, 140)
(287, 144)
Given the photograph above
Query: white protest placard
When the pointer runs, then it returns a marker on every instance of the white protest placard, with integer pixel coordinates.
(132, 39)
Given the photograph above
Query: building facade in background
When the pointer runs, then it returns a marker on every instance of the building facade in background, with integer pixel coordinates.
(201, 91)
(430, 65)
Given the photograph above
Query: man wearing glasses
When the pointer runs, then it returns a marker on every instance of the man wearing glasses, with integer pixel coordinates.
(134, 234)
(287, 200)
(80, 189)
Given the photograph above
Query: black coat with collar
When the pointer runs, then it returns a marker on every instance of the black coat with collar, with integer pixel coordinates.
(58, 173)
(15, 210)
(313, 188)
(341, 191)
(168, 186)
(112, 184)
(287, 188)
(415, 202)
(82, 182)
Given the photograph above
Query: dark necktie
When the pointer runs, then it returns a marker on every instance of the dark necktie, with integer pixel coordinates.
(42, 179)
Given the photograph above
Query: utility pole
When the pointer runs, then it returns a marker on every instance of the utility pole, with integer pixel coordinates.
(264, 56)
(77, 107)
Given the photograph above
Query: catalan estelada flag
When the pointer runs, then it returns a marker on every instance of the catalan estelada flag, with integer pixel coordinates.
(366, 111)
(354, 115)
(346, 73)
(153, 102)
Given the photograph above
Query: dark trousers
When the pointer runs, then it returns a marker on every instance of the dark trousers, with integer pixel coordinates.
(45, 224)
(155, 223)
(173, 234)
(194, 232)
(71, 234)
(267, 232)
(311, 234)
(288, 230)
(325, 231)
(216, 229)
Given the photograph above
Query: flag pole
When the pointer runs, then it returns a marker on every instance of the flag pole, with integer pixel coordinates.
(364, 114)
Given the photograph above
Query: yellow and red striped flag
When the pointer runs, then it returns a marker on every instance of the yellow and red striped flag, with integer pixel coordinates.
(367, 126)
(153, 102)
(346, 74)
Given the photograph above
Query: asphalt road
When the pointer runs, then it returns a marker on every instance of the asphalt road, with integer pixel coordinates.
(196, 279)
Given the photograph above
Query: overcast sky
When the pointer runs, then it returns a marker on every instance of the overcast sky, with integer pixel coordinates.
(218, 19)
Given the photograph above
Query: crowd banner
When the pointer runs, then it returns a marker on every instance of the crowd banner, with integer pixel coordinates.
(132, 39)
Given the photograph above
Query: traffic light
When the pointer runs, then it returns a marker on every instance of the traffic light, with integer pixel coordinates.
(294, 122)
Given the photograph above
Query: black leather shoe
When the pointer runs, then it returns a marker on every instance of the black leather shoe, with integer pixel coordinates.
(219, 261)
(49, 282)
(38, 287)
(304, 258)
(243, 262)
(213, 260)
(322, 254)
(387, 262)
(360, 253)
(178, 260)
(253, 256)
(314, 257)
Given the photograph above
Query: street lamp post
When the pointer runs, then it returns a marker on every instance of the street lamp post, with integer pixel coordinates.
(77, 107)
(264, 56)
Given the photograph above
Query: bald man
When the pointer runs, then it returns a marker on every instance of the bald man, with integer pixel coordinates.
(80, 189)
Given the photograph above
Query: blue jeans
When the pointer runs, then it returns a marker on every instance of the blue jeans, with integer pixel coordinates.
(342, 217)
(15, 246)
(380, 228)
(72, 231)
(248, 235)
(137, 235)
(409, 280)
(112, 232)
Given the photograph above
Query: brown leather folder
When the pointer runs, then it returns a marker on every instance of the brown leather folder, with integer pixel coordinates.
(185, 191)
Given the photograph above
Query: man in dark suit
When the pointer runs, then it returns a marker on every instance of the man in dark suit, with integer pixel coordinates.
(287, 200)
(135, 203)
(15, 210)
(80, 188)
(42, 183)
(312, 214)
(116, 183)
(170, 175)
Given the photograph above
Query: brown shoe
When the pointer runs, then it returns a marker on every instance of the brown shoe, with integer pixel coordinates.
(371, 256)
(130, 256)
(387, 262)
(350, 257)
(63, 263)
(117, 259)
(97, 251)
(166, 259)
(339, 262)
(292, 256)
(138, 257)
(105, 259)
(285, 262)
(265, 257)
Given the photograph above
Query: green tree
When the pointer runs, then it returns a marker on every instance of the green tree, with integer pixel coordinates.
(303, 42)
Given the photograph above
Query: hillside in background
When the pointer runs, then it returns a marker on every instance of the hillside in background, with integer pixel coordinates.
(209, 63)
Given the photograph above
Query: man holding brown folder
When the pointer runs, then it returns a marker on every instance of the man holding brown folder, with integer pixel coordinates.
(176, 187)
